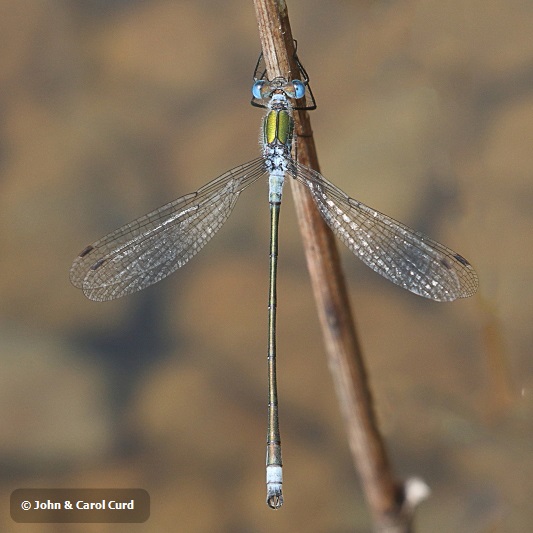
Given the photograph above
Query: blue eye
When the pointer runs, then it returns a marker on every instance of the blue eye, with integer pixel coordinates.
(256, 89)
(299, 89)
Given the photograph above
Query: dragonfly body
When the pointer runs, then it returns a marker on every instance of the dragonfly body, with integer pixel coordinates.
(150, 248)
(278, 127)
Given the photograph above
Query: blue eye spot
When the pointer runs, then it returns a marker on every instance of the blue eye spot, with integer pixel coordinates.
(299, 89)
(256, 89)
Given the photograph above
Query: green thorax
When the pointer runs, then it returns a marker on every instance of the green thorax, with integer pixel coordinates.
(277, 127)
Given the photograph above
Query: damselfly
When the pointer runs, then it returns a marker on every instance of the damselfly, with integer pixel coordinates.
(153, 246)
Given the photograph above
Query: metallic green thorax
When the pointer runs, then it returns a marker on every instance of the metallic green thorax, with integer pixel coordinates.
(278, 126)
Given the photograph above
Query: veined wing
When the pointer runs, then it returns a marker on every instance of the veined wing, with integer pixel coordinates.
(402, 255)
(153, 246)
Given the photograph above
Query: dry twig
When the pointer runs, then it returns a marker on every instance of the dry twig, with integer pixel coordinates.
(387, 500)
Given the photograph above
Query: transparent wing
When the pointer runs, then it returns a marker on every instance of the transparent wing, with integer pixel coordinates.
(153, 246)
(402, 255)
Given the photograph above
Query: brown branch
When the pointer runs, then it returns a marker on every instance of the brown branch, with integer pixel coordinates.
(345, 360)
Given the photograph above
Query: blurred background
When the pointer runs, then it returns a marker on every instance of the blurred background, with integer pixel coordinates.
(109, 109)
